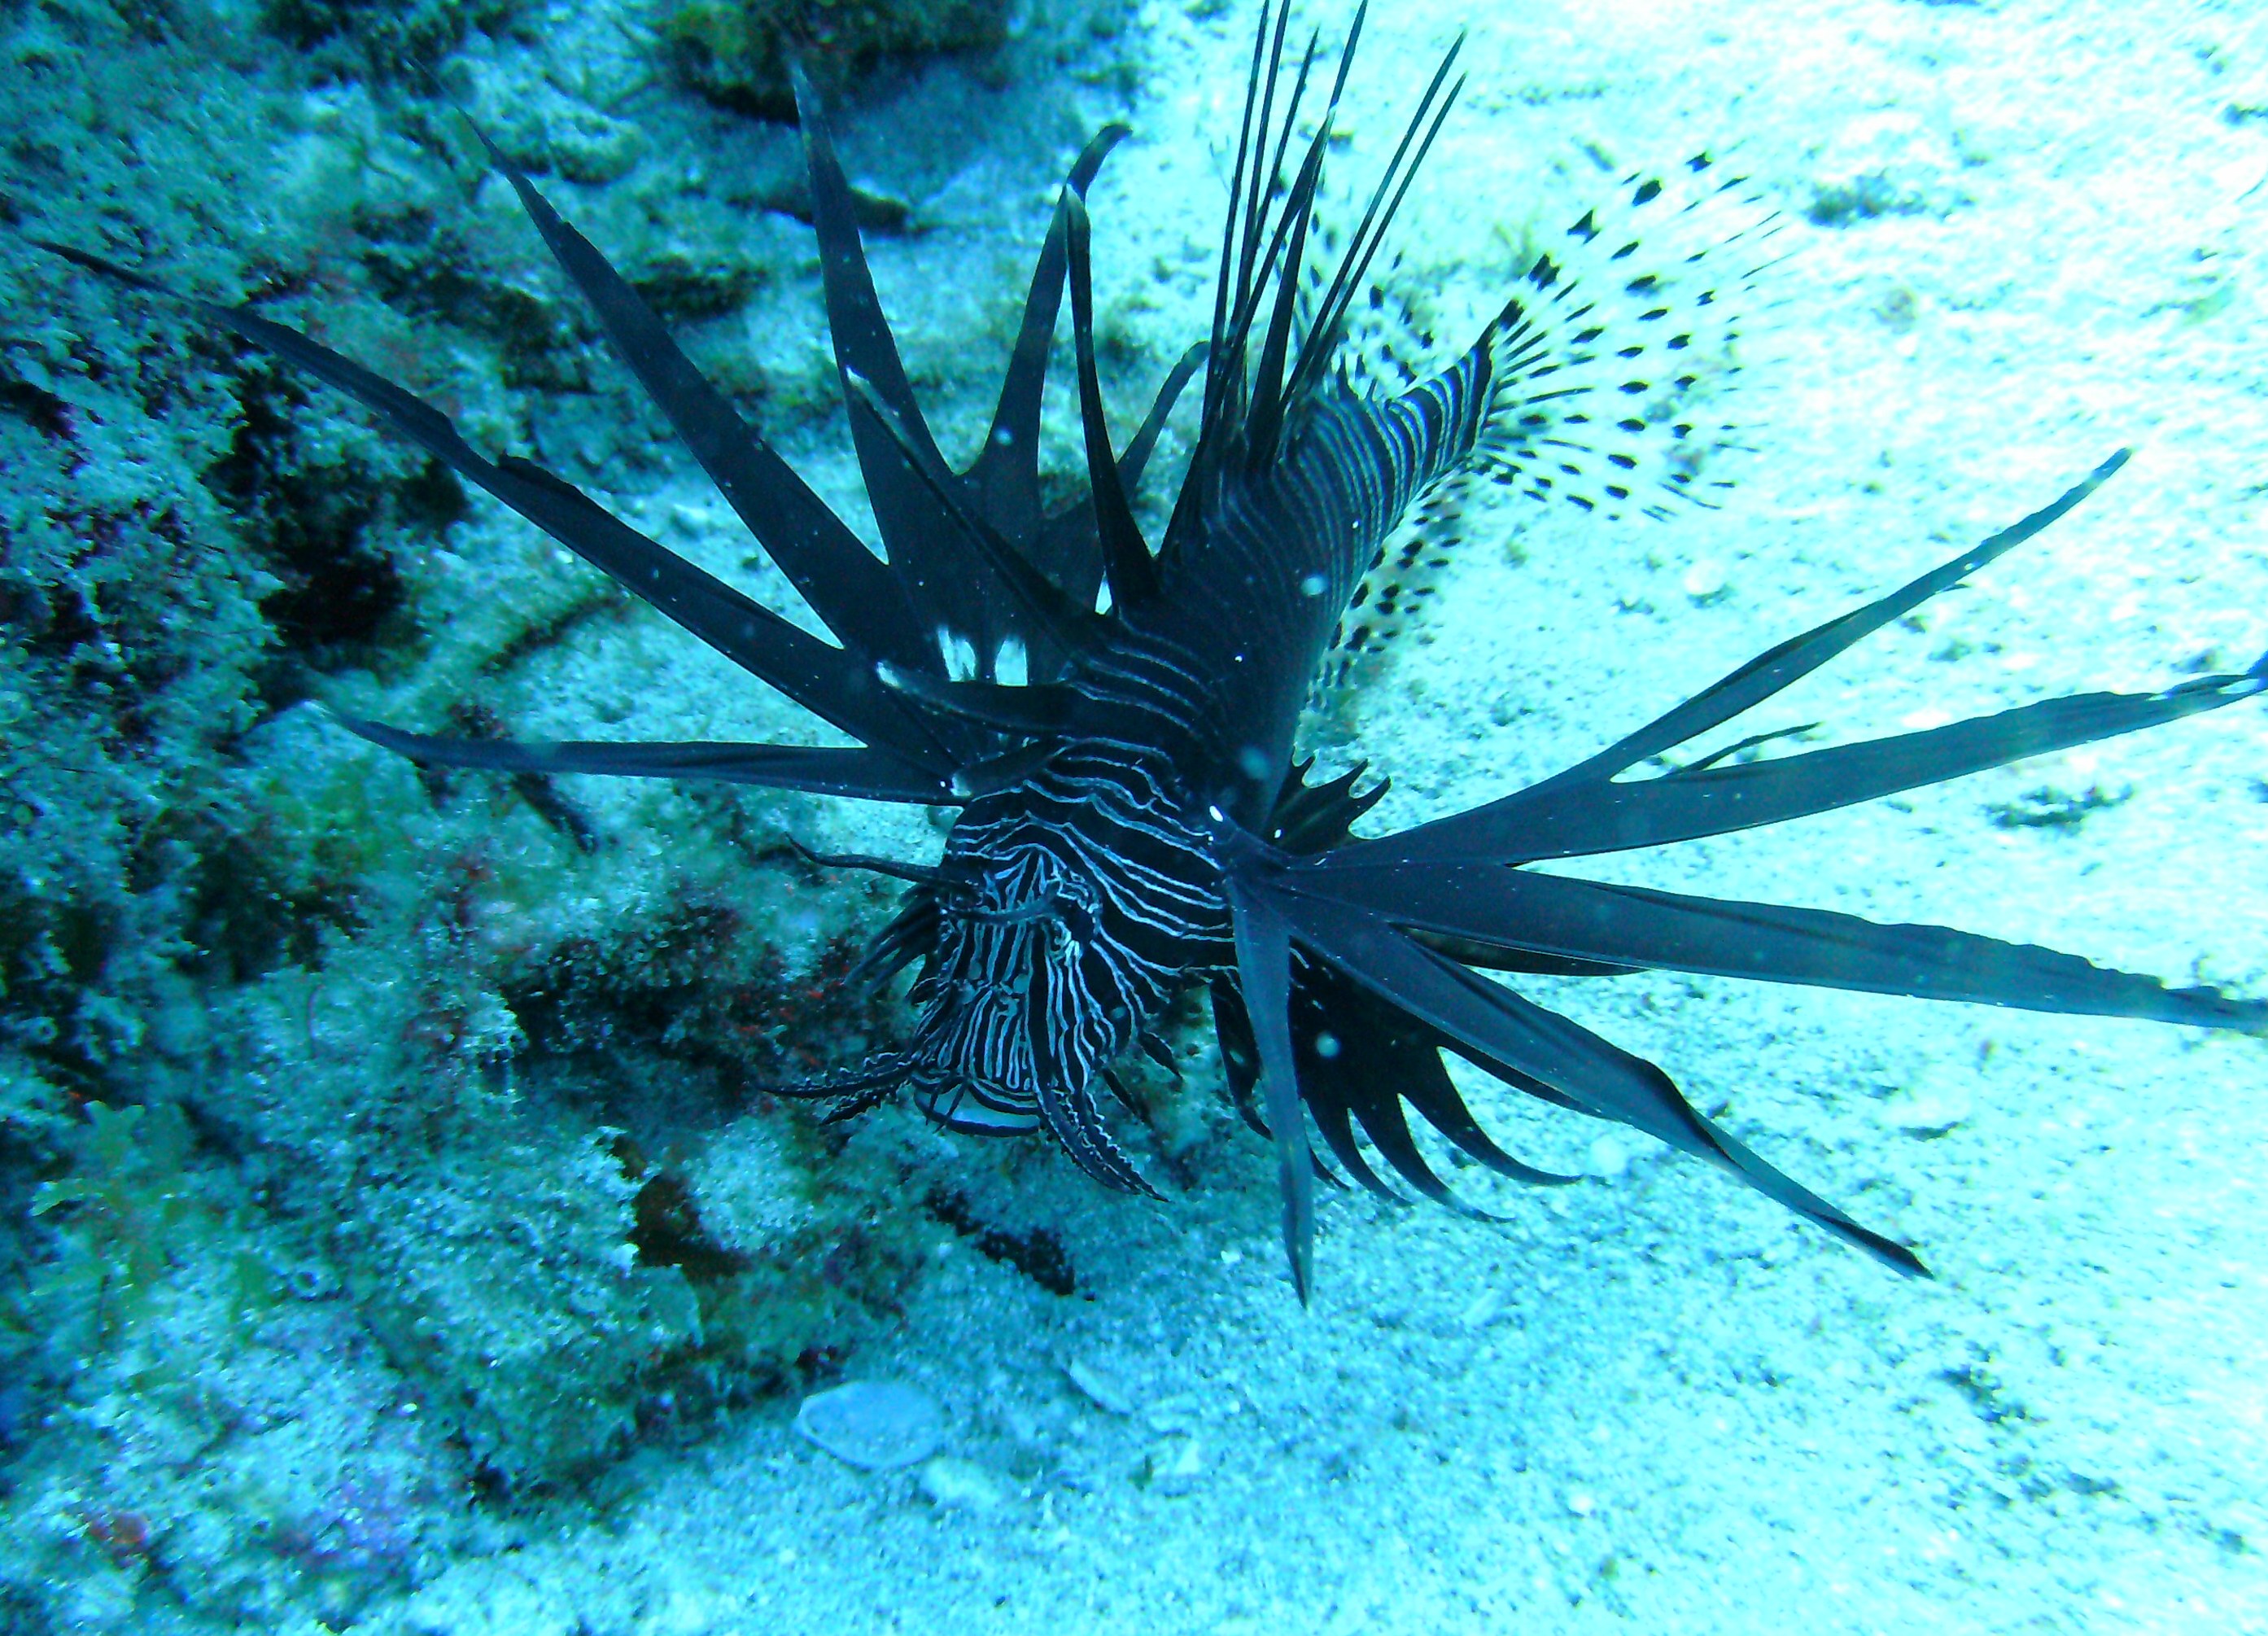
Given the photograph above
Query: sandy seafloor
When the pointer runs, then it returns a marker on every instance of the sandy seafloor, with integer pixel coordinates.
(1652, 1402)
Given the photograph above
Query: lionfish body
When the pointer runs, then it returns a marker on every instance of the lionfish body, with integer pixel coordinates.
(1093, 896)
(1132, 820)
(1094, 893)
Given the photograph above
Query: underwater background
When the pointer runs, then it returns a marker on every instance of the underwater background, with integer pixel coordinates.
(390, 1238)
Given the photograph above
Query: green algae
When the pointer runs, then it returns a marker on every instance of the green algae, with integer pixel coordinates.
(129, 1215)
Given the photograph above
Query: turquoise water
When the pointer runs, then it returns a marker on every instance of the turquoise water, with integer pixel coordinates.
(399, 1239)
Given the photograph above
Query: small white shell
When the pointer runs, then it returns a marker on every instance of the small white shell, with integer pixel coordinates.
(1102, 1387)
(877, 1425)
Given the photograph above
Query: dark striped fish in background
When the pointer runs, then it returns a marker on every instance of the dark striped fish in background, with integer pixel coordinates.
(1117, 720)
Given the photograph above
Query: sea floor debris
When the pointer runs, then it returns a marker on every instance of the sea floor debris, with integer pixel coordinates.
(877, 1425)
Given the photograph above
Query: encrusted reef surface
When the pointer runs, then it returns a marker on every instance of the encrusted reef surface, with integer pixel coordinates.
(393, 1232)
(384, 1156)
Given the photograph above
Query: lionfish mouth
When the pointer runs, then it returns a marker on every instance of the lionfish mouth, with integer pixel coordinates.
(972, 1107)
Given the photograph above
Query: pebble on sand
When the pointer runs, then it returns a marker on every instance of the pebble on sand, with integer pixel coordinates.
(877, 1425)
(959, 1485)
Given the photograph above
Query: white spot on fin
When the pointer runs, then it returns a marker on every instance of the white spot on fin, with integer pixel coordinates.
(958, 654)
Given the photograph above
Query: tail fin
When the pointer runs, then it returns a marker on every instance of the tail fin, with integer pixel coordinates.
(1612, 354)
(1605, 373)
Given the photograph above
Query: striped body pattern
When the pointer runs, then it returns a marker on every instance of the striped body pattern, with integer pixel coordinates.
(1289, 548)
(1135, 819)
(1089, 900)
(1092, 898)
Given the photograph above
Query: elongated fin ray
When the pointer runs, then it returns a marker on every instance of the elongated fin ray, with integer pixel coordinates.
(1521, 1042)
(1067, 551)
(1248, 191)
(1635, 925)
(1067, 624)
(864, 345)
(1255, 181)
(849, 588)
(1800, 657)
(1401, 170)
(1006, 472)
(1264, 964)
(1136, 460)
(1720, 799)
(1362, 1060)
(1240, 1053)
(867, 775)
(832, 683)
(1125, 556)
(1585, 810)
(928, 515)
(1264, 425)
(1781, 666)
(1033, 711)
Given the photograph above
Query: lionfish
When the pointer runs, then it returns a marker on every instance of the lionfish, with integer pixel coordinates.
(1116, 722)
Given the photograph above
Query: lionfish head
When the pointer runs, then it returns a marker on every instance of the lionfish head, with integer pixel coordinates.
(1065, 919)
